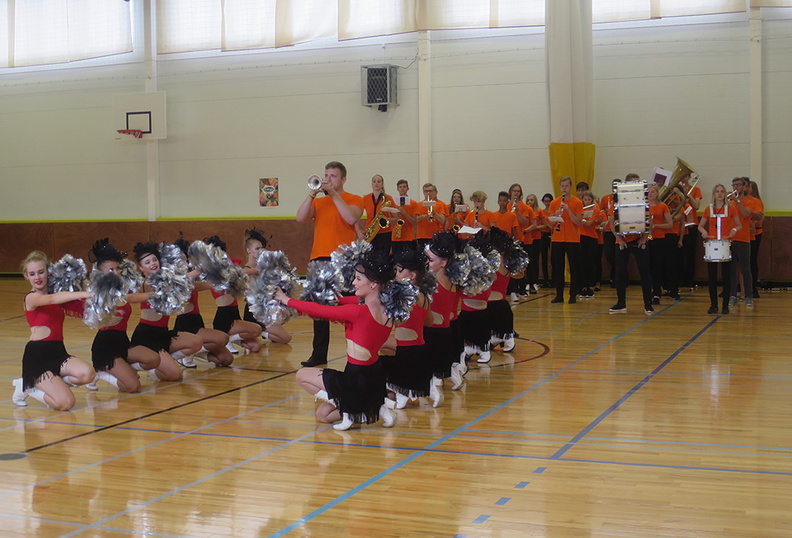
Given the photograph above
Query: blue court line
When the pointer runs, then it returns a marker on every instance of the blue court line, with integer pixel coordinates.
(521, 485)
(605, 414)
(502, 501)
(539, 470)
(481, 519)
(376, 478)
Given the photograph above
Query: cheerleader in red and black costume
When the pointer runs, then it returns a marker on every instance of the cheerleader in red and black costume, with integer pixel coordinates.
(190, 321)
(443, 347)
(113, 359)
(255, 242)
(227, 318)
(357, 394)
(474, 319)
(46, 365)
(409, 369)
(152, 330)
(500, 312)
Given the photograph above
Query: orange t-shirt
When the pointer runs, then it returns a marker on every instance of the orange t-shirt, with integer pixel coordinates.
(566, 231)
(408, 230)
(541, 215)
(426, 229)
(695, 193)
(507, 222)
(754, 204)
(658, 213)
(330, 230)
(370, 208)
(727, 222)
(528, 212)
(744, 235)
(591, 229)
(461, 215)
(486, 218)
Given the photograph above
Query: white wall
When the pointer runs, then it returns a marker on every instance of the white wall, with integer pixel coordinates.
(662, 89)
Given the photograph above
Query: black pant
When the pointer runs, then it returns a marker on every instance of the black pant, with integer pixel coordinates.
(609, 248)
(712, 273)
(544, 252)
(532, 271)
(688, 257)
(664, 261)
(559, 252)
(755, 244)
(588, 261)
(321, 337)
(381, 244)
(641, 255)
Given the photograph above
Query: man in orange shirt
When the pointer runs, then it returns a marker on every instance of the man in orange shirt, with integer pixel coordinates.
(430, 216)
(407, 208)
(335, 216)
(566, 240)
(691, 237)
(741, 242)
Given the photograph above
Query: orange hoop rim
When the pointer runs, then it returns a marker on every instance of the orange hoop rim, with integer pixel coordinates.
(137, 133)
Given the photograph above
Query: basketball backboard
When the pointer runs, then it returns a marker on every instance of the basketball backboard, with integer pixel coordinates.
(141, 111)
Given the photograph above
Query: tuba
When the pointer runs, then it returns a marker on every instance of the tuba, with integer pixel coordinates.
(378, 223)
(670, 194)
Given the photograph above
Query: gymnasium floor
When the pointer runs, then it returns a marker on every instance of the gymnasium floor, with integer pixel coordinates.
(674, 424)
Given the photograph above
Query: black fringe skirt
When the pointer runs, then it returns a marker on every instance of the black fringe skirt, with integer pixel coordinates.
(189, 323)
(409, 372)
(107, 347)
(225, 317)
(501, 318)
(441, 350)
(42, 357)
(155, 338)
(475, 326)
(359, 390)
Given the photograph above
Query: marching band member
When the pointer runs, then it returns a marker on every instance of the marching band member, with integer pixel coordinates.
(720, 220)
(479, 217)
(404, 233)
(566, 241)
(48, 370)
(588, 244)
(547, 232)
(741, 242)
(534, 247)
(430, 216)
(662, 258)
(457, 210)
(372, 203)
(608, 239)
(757, 219)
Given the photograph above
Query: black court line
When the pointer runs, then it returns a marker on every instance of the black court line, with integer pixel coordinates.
(191, 402)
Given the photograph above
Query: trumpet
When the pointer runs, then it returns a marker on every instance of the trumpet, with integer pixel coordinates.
(314, 182)
(430, 211)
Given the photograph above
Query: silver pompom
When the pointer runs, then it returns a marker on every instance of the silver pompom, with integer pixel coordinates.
(322, 284)
(108, 292)
(494, 259)
(481, 275)
(217, 268)
(398, 298)
(274, 272)
(133, 279)
(171, 291)
(428, 286)
(346, 258)
(171, 256)
(67, 274)
(458, 269)
(515, 260)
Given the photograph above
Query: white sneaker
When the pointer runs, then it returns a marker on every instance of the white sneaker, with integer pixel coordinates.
(345, 424)
(484, 357)
(92, 385)
(456, 376)
(463, 365)
(187, 362)
(232, 348)
(19, 394)
(508, 344)
(494, 342)
(386, 413)
(514, 298)
(436, 394)
(401, 401)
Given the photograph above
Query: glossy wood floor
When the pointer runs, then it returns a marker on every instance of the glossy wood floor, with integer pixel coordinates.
(675, 424)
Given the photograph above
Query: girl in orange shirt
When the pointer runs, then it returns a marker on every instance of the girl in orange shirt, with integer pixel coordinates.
(661, 249)
(708, 227)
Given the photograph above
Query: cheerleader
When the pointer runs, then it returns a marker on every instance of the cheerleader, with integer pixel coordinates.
(409, 369)
(255, 242)
(152, 330)
(724, 226)
(113, 359)
(48, 370)
(357, 394)
(227, 318)
(500, 313)
(443, 347)
(214, 342)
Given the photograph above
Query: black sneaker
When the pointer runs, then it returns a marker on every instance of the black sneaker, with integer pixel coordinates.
(655, 300)
(755, 294)
(572, 299)
(648, 310)
(725, 309)
(618, 308)
(312, 362)
(713, 309)
(557, 299)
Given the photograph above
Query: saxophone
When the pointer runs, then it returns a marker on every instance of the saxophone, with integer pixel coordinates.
(398, 231)
(378, 223)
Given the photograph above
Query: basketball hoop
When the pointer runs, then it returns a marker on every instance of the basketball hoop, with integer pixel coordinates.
(137, 133)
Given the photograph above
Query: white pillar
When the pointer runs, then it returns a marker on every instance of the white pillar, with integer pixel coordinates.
(755, 76)
(152, 145)
(424, 108)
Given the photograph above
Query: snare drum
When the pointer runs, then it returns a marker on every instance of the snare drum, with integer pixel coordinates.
(630, 207)
(717, 250)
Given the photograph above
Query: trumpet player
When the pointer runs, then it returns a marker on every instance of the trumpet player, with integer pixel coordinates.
(430, 217)
(335, 216)
(372, 206)
(526, 225)
(403, 236)
(741, 242)
(690, 234)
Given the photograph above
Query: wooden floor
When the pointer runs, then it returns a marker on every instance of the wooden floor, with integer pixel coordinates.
(675, 424)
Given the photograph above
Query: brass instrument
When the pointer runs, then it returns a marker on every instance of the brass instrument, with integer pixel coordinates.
(378, 223)
(399, 224)
(514, 206)
(314, 182)
(455, 228)
(430, 211)
(670, 194)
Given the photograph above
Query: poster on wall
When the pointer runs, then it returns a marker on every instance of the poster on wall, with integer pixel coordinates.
(268, 192)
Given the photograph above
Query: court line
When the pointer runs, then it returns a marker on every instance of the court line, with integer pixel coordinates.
(605, 414)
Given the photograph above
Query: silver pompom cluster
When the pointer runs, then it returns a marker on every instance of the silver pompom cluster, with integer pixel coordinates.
(428, 285)
(515, 260)
(398, 298)
(67, 274)
(170, 285)
(322, 284)
(217, 268)
(346, 258)
(133, 279)
(108, 292)
(274, 271)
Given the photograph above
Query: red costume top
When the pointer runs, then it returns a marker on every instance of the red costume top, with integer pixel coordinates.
(444, 303)
(162, 322)
(483, 296)
(193, 300)
(361, 327)
(50, 316)
(416, 323)
(217, 294)
(501, 284)
(122, 314)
